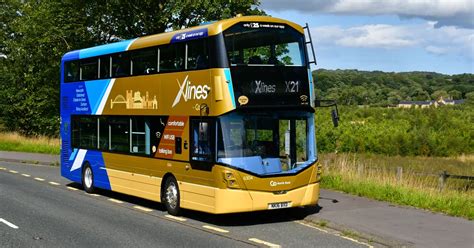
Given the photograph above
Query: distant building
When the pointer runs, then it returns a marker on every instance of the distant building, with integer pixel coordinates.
(427, 104)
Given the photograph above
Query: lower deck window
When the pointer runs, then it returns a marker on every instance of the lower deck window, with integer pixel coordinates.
(84, 132)
(112, 133)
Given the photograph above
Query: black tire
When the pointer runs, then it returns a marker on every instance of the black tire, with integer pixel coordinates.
(171, 196)
(88, 179)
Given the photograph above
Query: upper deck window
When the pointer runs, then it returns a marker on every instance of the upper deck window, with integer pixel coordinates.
(120, 65)
(89, 69)
(172, 57)
(71, 71)
(197, 56)
(268, 44)
(145, 61)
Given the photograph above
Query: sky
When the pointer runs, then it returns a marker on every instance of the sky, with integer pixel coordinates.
(386, 35)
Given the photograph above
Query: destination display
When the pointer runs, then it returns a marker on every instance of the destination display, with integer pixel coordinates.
(264, 86)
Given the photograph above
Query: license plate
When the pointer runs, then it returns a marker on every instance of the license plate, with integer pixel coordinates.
(278, 205)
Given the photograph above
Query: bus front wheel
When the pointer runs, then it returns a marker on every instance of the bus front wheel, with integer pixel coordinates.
(171, 196)
(88, 179)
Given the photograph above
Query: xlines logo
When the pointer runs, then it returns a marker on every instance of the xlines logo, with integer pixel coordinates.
(187, 91)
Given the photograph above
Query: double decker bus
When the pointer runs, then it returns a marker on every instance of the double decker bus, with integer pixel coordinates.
(217, 118)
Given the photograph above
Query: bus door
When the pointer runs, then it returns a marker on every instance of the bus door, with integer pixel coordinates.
(202, 145)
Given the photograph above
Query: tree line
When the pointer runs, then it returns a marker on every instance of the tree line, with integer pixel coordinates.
(35, 34)
(376, 88)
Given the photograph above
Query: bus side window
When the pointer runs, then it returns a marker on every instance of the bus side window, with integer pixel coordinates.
(172, 57)
(89, 69)
(197, 55)
(104, 67)
(120, 65)
(71, 72)
(144, 61)
(202, 146)
(84, 132)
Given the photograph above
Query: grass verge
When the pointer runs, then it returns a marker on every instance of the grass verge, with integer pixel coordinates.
(413, 190)
(19, 143)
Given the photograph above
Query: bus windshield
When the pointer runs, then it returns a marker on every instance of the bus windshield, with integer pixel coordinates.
(266, 143)
(264, 44)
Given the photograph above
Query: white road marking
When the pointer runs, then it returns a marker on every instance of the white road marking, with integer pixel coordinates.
(39, 179)
(308, 225)
(215, 229)
(2, 168)
(356, 241)
(334, 233)
(142, 208)
(115, 200)
(259, 241)
(25, 175)
(175, 218)
(91, 194)
(71, 188)
(13, 171)
(54, 183)
(8, 223)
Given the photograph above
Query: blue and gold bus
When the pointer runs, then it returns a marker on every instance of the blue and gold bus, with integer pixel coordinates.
(216, 118)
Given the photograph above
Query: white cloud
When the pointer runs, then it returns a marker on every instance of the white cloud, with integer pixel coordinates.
(378, 35)
(444, 40)
(443, 12)
(437, 49)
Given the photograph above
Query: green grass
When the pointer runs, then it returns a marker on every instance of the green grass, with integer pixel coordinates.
(414, 190)
(18, 143)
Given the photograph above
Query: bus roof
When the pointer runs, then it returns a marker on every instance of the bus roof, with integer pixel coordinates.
(209, 29)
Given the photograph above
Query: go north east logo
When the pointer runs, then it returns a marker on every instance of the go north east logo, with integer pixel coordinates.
(188, 91)
(191, 35)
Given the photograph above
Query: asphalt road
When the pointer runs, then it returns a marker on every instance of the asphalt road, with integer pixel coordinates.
(39, 208)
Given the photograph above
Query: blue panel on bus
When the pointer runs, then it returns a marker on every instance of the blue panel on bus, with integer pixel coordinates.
(190, 35)
(78, 99)
(105, 49)
(96, 161)
(228, 78)
(71, 55)
(95, 92)
(94, 158)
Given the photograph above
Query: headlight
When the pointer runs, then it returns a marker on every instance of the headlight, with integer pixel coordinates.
(229, 178)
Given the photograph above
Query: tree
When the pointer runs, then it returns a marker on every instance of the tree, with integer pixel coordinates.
(470, 98)
(455, 94)
(439, 94)
(35, 34)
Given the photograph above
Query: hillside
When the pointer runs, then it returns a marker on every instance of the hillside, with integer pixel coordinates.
(353, 87)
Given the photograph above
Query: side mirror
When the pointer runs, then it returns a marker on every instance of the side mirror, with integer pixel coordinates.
(335, 117)
(334, 112)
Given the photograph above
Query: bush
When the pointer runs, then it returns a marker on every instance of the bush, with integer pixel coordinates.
(443, 131)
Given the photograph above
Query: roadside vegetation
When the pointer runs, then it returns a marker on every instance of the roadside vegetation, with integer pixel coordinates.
(443, 131)
(19, 143)
(362, 176)
(362, 155)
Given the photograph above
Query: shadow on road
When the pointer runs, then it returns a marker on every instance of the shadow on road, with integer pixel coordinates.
(236, 219)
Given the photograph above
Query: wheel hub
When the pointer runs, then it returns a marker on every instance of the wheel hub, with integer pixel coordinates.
(88, 177)
(172, 195)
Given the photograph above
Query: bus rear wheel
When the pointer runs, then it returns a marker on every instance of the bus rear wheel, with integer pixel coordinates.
(171, 196)
(88, 179)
